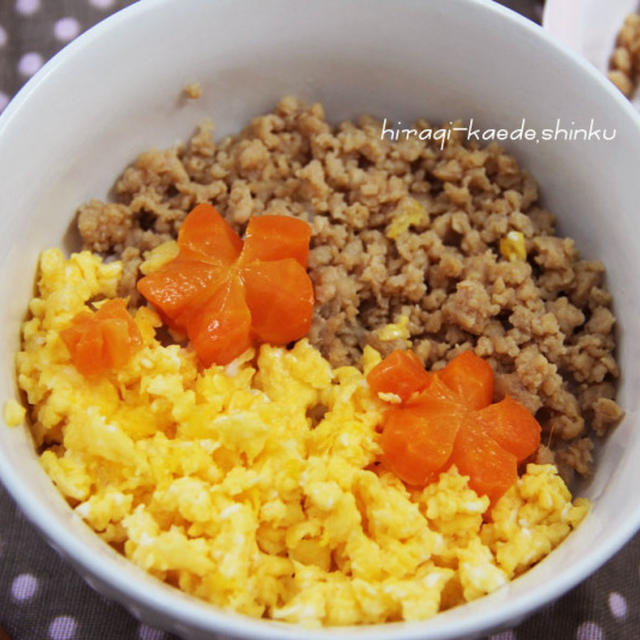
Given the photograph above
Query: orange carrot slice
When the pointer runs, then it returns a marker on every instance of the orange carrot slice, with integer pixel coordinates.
(180, 286)
(206, 232)
(491, 469)
(417, 442)
(115, 349)
(417, 439)
(512, 426)
(74, 333)
(220, 330)
(116, 309)
(438, 389)
(87, 354)
(226, 297)
(400, 373)
(471, 378)
(270, 238)
(280, 297)
(446, 418)
(104, 340)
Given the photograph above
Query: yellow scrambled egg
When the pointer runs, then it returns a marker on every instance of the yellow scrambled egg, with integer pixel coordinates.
(255, 486)
(409, 212)
(512, 246)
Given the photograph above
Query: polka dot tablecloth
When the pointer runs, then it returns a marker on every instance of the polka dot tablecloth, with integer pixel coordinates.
(41, 597)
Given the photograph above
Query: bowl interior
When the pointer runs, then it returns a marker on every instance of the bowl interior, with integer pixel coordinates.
(115, 92)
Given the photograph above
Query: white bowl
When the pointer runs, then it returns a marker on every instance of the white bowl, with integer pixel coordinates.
(114, 92)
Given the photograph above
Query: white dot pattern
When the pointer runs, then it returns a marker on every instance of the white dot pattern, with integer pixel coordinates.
(618, 605)
(63, 628)
(24, 587)
(66, 29)
(29, 63)
(145, 632)
(27, 7)
(503, 635)
(101, 4)
(589, 631)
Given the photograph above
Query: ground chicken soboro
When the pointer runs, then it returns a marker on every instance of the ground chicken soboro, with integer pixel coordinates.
(624, 64)
(399, 228)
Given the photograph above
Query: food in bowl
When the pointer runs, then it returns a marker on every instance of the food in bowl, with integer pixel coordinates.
(624, 64)
(262, 484)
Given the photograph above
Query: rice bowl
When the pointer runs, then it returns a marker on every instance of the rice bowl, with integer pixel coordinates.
(604, 490)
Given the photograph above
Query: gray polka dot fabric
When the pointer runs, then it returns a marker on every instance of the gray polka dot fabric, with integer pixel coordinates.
(40, 594)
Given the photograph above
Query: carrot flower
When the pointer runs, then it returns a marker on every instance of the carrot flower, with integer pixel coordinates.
(102, 340)
(447, 418)
(228, 295)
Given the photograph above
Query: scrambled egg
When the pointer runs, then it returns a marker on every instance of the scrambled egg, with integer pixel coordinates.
(256, 487)
(409, 212)
(396, 331)
(13, 413)
(158, 257)
(512, 246)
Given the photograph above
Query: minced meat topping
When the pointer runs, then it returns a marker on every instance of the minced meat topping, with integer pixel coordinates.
(400, 229)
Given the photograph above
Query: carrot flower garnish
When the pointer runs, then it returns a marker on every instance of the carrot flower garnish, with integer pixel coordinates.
(228, 295)
(446, 418)
(102, 340)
